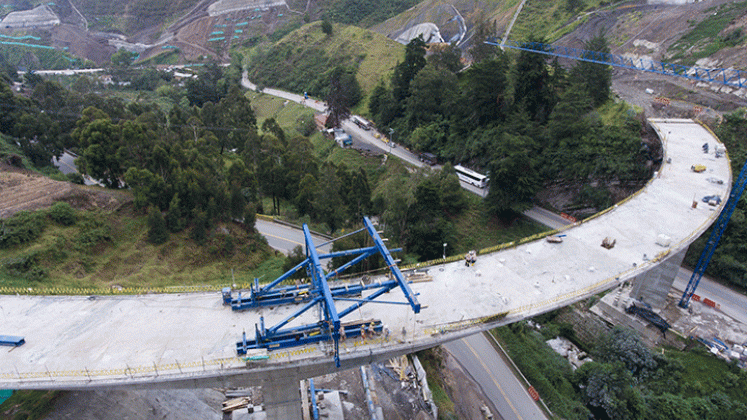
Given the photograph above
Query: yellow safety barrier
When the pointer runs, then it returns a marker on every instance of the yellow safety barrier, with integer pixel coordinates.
(158, 369)
(265, 217)
(443, 328)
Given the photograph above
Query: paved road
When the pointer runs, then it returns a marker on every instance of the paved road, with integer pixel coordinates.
(508, 395)
(546, 217)
(284, 238)
(319, 106)
(66, 163)
(368, 137)
(732, 303)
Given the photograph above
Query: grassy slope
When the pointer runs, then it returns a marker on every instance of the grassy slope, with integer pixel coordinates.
(374, 54)
(707, 37)
(548, 19)
(28, 405)
(551, 20)
(130, 16)
(429, 11)
(705, 374)
(475, 230)
(128, 260)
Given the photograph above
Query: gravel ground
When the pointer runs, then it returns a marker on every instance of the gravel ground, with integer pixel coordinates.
(397, 401)
(172, 404)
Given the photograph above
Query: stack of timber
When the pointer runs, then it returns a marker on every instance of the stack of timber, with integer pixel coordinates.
(237, 404)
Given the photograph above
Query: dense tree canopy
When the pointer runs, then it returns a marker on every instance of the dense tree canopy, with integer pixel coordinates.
(525, 122)
(596, 78)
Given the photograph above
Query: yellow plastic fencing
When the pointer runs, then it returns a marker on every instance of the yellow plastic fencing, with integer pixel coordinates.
(460, 325)
(74, 291)
(149, 370)
(155, 370)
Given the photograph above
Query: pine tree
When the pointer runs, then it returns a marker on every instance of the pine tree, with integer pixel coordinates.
(596, 78)
(237, 203)
(327, 27)
(157, 232)
(174, 219)
(199, 231)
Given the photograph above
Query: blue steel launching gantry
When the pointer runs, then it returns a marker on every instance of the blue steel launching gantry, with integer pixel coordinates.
(318, 293)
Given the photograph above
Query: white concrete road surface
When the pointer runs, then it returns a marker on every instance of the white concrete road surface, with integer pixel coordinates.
(126, 340)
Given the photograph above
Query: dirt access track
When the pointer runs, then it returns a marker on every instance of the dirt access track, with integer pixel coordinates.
(647, 31)
(211, 28)
(24, 190)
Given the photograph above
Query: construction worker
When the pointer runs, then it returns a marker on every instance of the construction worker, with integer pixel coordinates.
(470, 258)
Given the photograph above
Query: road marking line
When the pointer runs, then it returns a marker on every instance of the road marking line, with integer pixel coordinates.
(282, 239)
(72, 168)
(495, 381)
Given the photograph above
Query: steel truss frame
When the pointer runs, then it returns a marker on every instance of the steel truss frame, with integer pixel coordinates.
(319, 294)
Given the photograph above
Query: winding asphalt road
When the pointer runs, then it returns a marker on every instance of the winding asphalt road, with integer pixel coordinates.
(284, 238)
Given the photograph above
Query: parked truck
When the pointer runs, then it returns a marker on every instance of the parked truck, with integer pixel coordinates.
(343, 139)
(428, 158)
(362, 122)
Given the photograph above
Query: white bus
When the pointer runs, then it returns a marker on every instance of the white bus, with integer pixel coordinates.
(471, 177)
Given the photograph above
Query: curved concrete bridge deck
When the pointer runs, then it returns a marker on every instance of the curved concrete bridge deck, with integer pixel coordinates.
(189, 339)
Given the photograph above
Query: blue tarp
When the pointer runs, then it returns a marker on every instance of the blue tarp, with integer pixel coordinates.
(11, 340)
(5, 394)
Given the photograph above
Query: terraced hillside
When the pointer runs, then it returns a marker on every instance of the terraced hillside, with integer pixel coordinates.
(23, 190)
(130, 16)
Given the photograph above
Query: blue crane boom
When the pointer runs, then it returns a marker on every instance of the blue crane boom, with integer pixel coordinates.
(718, 230)
(729, 77)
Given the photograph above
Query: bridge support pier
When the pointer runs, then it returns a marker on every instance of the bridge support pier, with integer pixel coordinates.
(282, 398)
(653, 286)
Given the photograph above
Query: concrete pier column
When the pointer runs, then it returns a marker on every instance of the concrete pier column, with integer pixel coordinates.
(282, 399)
(653, 286)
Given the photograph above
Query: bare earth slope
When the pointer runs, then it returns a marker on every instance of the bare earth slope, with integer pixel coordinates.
(24, 190)
(647, 32)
